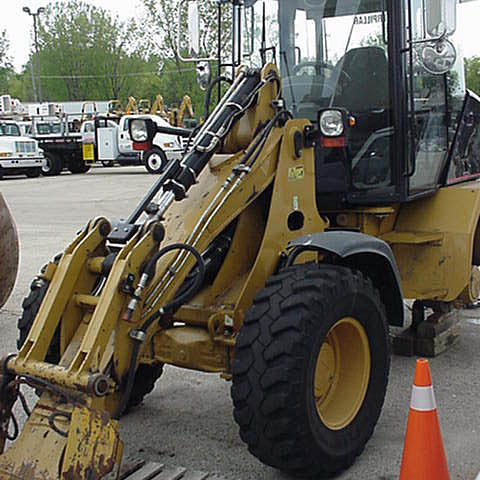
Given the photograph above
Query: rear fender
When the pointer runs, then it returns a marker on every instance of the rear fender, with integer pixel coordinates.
(372, 256)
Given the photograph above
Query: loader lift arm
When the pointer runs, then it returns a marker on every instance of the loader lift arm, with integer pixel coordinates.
(106, 332)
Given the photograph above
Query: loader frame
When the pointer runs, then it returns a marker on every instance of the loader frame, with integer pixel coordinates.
(172, 284)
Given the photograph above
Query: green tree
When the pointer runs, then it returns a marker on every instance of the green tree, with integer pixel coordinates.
(472, 73)
(86, 53)
(178, 78)
(174, 84)
(6, 68)
(161, 25)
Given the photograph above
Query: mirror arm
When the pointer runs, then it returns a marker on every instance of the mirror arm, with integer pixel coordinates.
(180, 132)
(299, 52)
(429, 40)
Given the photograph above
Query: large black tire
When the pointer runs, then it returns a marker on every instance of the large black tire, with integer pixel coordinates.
(53, 165)
(144, 383)
(145, 377)
(155, 160)
(78, 166)
(33, 172)
(311, 369)
(30, 306)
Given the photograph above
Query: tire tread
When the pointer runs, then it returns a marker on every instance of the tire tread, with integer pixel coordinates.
(266, 373)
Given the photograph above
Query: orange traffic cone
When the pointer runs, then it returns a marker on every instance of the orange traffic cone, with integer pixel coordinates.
(423, 453)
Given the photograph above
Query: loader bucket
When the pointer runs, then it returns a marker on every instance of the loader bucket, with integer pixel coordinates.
(9, 252)
(60, 442)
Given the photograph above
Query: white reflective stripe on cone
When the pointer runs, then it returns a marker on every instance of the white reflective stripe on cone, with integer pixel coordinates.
(423, 399)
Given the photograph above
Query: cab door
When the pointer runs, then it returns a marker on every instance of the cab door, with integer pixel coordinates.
(434, 88)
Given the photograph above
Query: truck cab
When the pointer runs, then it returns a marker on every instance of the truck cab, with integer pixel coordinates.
(18, 154)
(164, 148)
(46, 127)
(107, 141)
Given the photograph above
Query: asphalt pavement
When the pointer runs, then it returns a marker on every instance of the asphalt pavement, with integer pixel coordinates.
(187, 420)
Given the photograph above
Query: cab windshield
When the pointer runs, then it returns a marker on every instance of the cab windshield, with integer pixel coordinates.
(333, 53)
(9, 129)
(326, 50)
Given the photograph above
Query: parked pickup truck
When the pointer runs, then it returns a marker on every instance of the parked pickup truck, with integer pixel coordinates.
(18, 154)
(107, 141)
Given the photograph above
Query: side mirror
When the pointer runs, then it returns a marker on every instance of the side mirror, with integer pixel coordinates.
(203, 75)
(439, 57)
(441, 17)
(142, 131)
(193, 29)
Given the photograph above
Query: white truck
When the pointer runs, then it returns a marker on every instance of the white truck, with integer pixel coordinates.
(18, 154)
(61, 144)
(106, 141)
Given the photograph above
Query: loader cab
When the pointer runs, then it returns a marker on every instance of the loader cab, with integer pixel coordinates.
(382, 82)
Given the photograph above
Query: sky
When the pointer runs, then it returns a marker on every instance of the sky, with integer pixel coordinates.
(19, 25)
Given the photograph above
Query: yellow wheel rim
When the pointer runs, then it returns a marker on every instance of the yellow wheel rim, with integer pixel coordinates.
(342, 373)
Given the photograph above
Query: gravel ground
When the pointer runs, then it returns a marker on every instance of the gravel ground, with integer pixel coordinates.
(187, 420)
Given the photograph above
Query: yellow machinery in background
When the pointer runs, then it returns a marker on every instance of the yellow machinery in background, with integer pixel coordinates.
(144, 105)
(176, 115)
(317, 196)
(115, 107)
(88, 115)
(158, 107)
(132, 107)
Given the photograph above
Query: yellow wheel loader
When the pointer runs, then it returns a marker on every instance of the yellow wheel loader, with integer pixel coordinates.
(336, 177)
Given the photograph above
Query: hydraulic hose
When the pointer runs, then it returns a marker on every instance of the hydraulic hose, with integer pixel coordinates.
(248, 160)
(177, 302)
(190, 138)
(139, 335)
(131, 377)
(208, 94)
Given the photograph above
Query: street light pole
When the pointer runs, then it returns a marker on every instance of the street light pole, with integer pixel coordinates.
(36, 52)
(35, 97)
(37, 61)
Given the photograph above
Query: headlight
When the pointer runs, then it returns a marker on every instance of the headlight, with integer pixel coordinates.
(5, 154)
(139, 130)
(168, 145)
(331, 123)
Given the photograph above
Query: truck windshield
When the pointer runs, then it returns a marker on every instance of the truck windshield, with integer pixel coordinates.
(48, 128)
(333, 53)
(9, 129)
